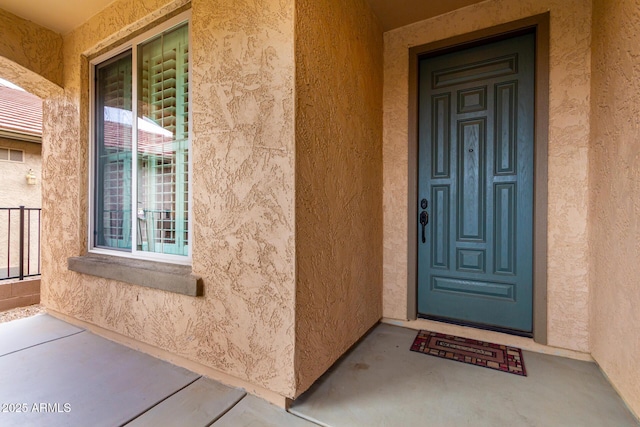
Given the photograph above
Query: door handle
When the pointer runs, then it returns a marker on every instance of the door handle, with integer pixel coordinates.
(424, 219)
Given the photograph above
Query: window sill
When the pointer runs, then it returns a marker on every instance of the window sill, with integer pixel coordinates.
(151, 274)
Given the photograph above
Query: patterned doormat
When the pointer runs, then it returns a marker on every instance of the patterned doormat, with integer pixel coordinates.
(493, 356)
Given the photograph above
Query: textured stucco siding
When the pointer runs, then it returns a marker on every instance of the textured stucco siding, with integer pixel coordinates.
(242, 78)
(569, 108)
(15, 190)
(338, 180)
(615, 195)
(30, 46)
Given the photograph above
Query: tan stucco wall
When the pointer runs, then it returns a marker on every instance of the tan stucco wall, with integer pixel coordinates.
(338, 180)
(615, 195)
(243, 184)
(15, 191)
(243, 111)
(30, 46)
(568, 153)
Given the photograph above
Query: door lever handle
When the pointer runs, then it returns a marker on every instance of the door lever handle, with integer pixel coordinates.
(424, 219)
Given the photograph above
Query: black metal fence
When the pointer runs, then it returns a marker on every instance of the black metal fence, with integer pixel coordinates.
(20, 242)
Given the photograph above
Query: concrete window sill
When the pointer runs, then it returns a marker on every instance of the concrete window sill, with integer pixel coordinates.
(152, 274)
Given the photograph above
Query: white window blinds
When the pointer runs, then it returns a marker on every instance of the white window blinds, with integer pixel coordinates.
(163, 152)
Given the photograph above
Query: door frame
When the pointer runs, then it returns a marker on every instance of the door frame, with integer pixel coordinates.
(539, 24)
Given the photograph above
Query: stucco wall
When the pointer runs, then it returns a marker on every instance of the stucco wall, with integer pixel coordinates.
(568, 153)
(31, 46)
(615, 195)
(243, 182)
(338, 180)
(15, 191)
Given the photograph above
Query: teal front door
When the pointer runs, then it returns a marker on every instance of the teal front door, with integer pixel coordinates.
(475, 188)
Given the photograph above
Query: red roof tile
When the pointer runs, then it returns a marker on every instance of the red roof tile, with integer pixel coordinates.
(20, 112)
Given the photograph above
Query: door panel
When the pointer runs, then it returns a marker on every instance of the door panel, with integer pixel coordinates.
(471, 183)
(476, 173)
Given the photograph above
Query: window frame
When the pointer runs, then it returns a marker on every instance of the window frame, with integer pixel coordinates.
(9, 150)
(133, 45)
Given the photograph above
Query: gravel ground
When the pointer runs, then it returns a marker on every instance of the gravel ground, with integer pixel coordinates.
(21, 312)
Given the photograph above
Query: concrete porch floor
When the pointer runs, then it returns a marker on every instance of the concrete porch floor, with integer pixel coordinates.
(55, 374)
(381, 383)
(59, 375)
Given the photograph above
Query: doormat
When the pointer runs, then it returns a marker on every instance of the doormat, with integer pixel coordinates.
(480, 353)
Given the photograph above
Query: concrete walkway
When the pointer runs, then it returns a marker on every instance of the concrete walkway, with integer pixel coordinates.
(381, 383)
(55, 374)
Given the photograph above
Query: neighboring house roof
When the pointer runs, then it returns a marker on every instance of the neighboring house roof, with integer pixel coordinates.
(152, 138)
(20, 114)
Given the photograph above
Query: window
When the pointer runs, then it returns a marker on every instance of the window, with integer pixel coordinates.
(11, 155)
(141, 167)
